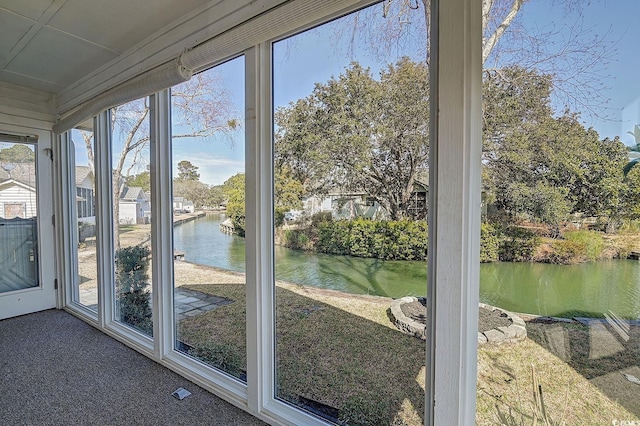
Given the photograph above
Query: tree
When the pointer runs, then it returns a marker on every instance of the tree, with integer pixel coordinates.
(544, 166)
(201, 108)
(215, 196)
(234, 191)
(192, 190)
(143, 180)
(358, 134)
(18, 153)
(187, 171)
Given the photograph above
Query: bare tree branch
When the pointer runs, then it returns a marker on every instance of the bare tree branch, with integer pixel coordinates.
(489, 43)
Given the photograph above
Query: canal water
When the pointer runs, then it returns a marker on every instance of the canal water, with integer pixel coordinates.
(589, 289)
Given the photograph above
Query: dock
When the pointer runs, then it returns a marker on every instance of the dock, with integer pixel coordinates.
(188, 217)
(227, 227)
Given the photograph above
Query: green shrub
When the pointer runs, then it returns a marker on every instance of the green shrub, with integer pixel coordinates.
(296, 239)
(132, 292)
(319, 218)
(278, 217)
(518, 245)
(489, 243)
(333, 237)
(577, 247)
(390, 240)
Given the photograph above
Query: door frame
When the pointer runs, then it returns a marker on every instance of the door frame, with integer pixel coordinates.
(43, 296)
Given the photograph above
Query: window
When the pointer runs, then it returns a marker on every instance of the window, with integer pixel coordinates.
(131, 213)
(560, 133)
(86, 287)
(319, 343)
(209, 218)
(351, 134)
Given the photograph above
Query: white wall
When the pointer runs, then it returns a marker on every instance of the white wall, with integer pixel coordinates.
(17, 194)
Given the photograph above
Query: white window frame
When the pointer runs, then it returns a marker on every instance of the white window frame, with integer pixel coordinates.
(454, 225)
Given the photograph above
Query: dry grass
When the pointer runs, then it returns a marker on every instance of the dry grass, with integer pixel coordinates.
(344, 352)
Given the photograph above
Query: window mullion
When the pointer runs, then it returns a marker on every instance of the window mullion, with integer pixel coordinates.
(259, 233)
(454, 215)
(161, 222)
(104, 218)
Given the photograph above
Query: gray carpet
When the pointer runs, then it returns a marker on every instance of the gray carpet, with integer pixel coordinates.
(57, 370)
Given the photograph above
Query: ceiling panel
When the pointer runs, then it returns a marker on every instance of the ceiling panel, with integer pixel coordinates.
(119, 24)
(32, 83)
(30, 8)
(56, 57)
(12, 29)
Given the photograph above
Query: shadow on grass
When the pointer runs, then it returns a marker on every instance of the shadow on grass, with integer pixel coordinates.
(339, 365)
(599, 352)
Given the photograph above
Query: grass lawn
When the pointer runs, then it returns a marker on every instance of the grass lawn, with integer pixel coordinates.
(344, 352)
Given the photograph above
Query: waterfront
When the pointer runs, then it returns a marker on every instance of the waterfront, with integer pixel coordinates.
(589, 289)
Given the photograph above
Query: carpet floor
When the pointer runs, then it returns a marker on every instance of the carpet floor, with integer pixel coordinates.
(57, 370)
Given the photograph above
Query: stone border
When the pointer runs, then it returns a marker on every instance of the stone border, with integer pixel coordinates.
(404, 323)
(513, 333)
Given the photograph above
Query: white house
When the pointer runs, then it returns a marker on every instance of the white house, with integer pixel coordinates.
(134, 206)
(182, 205)
(18, 190)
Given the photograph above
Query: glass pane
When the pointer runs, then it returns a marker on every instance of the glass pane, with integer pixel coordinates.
(350, 166)
(18, 217)
(560, 227)
(132, 214)
(208, 207)
(86, 284)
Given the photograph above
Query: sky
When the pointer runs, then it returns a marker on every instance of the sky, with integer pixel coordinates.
(319, 54)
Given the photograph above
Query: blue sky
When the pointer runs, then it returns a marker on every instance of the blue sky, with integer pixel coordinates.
(619, 20)
(316, 56)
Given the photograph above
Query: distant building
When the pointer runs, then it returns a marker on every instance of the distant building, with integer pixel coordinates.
(134, 206)
(182, 205)
(18, 190)
(85, 195)
(353, 205)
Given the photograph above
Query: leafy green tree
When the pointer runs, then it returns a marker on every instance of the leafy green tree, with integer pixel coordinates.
(234, 191)
(192, 190)
(142, 180)
(215, 196)
(288, 191)
(187, 171)
(544, 166)
(358, 134)
(17, 153)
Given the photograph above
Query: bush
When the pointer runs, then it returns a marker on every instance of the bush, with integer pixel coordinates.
(389, 240)
(132, 295)
(333, 237)
(296, 239)
(518, 245)
(577, 247)
(489, 243)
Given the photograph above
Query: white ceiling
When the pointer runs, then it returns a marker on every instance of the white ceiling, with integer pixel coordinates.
(50, 44)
